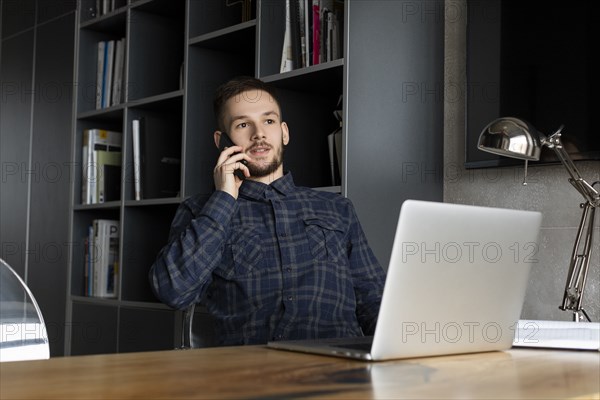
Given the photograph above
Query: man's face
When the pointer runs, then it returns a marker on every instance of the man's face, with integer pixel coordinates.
(253, 120)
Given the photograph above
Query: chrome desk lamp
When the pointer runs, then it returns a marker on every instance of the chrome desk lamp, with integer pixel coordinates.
(516, 138)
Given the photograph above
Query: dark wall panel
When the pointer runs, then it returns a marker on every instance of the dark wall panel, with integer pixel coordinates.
(49, 233)
(17, 16)
(36, 74)
(15, 134)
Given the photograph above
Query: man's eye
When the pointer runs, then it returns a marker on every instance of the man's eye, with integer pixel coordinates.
(242, 125)
(270, 121)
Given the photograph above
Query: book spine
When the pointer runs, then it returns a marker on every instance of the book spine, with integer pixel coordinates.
(106, 262)
(296, 35)
(137, 162)
(112, 277)
(95, 140)
(96, 259)
(306, 6)
(108, 74)
(103, 77)
(100, 73)
(316, 41)
(323, 34)
(286, 52)
(84, 167)
(329, 36)
(118, 72)
(88, 261)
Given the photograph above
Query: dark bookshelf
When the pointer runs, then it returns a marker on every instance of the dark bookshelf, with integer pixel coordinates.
(177, 53)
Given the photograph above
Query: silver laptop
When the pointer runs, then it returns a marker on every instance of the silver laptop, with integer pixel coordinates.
(455, 283)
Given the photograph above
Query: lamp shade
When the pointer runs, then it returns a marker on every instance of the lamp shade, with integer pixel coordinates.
(511, 137)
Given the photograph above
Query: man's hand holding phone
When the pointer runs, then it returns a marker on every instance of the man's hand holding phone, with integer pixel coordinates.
(231, 168)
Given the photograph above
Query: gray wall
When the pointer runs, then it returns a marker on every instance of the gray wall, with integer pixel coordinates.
(36, 71)
(394, 59)
(548, 190)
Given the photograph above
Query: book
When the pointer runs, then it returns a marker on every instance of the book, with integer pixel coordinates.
(137, 159)
(332, 37)
(110, 72)
(109, 175)
(296, 26)
(316, 31)
(103, 75)
(107, 76)
(557, 334)
(307, 10)
(323, 13)
(105, 258)
(325, 30)
(95, 140)
(119, 64)
(286, 52)
(331, 42)
(88, 257)
(100, 73)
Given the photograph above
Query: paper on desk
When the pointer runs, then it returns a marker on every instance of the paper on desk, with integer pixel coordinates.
(558, 334)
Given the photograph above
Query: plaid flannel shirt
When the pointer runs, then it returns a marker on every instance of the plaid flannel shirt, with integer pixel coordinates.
(280, 262)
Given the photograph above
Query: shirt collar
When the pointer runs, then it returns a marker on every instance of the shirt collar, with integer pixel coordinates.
(256, 190)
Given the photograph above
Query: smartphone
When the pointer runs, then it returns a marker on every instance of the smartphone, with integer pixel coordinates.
(225, 141)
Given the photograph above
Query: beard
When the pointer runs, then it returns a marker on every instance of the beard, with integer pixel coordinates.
(260, 168)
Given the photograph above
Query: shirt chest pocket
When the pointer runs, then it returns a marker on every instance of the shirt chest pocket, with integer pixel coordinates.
(326, 239)
(243, 254)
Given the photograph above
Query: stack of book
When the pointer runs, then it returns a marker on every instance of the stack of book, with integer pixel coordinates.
(102, 259)
(312, 33)
(110, 73)
(99, 8)
(101, 166)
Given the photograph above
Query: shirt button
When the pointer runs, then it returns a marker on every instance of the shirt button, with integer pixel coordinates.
(290, 298)
(288, 269)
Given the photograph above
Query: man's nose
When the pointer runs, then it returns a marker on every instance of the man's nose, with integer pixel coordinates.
(258, 132)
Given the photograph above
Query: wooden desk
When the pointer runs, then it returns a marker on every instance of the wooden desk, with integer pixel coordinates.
(257, 372)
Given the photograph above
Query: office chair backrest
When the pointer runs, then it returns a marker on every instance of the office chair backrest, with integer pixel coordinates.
(23, 333)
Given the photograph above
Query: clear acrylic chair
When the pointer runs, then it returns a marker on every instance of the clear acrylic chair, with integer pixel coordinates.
(187, 334)
(23, 334)
(197, 328)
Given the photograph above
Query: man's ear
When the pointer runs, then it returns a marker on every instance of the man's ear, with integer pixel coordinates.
(217, 138)
(285, 133)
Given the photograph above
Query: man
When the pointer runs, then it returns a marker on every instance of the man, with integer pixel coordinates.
(268, 259)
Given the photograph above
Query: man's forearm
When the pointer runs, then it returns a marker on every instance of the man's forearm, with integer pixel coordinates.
(183, 269)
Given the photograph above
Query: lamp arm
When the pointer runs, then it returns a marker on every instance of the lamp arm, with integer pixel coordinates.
(579, 265)
(587, 191)
(580, 257)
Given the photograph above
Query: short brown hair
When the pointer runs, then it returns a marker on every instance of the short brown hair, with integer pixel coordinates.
(235, 87)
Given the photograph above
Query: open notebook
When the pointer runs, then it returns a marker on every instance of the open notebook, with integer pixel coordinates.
(558, 334)
(456, 283)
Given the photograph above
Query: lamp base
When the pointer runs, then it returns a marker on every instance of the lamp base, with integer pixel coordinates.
(581, 316)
